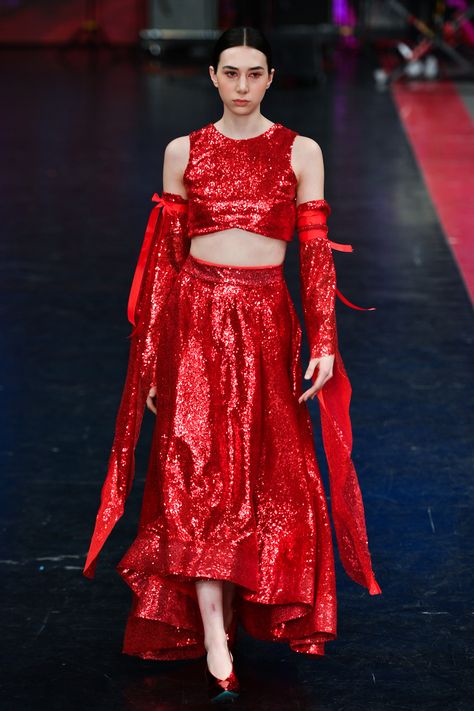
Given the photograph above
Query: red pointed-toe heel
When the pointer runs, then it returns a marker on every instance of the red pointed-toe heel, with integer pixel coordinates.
(222, 689)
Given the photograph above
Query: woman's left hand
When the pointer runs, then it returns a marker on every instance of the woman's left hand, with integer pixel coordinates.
(151, 400)
(325, 366)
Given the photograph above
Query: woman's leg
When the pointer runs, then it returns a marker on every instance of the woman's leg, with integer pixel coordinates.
(210, 598)
(228, 591)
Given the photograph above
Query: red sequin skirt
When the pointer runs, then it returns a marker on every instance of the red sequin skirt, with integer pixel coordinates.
(233, 489)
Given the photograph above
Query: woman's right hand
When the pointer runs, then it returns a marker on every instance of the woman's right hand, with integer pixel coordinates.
(150, 401)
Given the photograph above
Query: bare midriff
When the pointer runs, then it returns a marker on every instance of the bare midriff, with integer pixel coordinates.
(237, 247)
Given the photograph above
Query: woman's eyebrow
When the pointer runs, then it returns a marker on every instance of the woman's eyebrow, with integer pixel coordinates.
(227, 66)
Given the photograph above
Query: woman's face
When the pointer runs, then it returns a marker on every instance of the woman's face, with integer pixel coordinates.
(242, 78)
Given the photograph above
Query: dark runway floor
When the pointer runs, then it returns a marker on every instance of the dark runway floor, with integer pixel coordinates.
(82, 146)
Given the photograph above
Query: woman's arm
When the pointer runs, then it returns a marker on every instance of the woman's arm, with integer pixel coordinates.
(308, 164)
(174, 164)
(175, 159)
(317, 272)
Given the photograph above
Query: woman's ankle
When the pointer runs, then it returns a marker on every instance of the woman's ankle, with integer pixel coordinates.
(215, 640)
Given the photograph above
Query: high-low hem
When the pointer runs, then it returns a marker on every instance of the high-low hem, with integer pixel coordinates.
(169, 637)
(233, 489)
(165, 606)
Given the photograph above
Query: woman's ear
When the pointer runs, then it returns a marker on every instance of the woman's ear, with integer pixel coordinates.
(212, 74)
(270, 78)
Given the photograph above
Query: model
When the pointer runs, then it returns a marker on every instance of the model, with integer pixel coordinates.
(234, 523)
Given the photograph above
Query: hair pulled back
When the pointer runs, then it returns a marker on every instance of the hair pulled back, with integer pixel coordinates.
(238, 37)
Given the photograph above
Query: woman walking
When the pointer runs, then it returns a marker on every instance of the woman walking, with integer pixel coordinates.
(234, 523)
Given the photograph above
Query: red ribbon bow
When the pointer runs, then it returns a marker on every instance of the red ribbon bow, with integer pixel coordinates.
(165, 206)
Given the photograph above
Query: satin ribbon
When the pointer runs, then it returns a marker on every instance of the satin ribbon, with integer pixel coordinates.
(320, 230)
(307, 231)
(353, 306)
(161, 205)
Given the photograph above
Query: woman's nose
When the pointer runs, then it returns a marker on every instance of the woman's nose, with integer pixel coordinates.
(243, 84)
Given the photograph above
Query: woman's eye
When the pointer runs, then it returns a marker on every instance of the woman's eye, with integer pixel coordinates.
(233, 74)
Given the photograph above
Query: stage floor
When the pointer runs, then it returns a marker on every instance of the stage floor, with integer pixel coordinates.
(82, 146)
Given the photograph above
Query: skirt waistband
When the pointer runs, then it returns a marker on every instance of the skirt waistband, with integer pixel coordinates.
(235, 274)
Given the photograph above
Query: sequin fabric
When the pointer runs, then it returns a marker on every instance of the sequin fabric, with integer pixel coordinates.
(233, 490)
(168, 251)
(247, 183)
(311, 219)
(317, 277)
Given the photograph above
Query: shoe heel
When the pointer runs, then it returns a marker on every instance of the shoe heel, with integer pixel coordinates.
(222, 689)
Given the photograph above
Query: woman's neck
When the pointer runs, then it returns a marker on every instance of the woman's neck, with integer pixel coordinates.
(242, 126)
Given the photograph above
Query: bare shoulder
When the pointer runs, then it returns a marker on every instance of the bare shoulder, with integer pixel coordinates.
(174, 164)
(308, 165)
(306, 150)
(177, 151)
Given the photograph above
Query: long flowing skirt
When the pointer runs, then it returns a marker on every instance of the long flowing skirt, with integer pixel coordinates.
(233, 490)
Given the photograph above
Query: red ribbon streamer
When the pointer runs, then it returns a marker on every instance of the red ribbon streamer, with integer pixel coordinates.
(346, 497)
(341, 247)
(353, 306)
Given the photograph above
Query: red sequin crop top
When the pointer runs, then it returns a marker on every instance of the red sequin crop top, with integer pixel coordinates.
(247, 183)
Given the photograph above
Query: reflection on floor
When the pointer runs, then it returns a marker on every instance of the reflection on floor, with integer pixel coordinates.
(82, 148)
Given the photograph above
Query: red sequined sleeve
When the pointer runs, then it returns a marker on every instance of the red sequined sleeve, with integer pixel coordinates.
(165, 247)
(318, 291)
(317, 278)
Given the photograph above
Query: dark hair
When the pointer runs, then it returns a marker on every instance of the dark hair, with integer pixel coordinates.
(238, 36)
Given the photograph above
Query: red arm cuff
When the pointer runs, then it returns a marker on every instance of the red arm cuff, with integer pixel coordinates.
(311, 223)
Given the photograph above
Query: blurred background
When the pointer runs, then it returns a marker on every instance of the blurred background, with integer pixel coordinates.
(304, 34)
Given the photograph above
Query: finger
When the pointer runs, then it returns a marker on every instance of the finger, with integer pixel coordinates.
(311, 368)
(307, 393)
(320, 383)
(151, 405)
(321, 380)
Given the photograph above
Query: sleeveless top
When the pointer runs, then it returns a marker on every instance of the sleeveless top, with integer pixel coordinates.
(244, 182)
